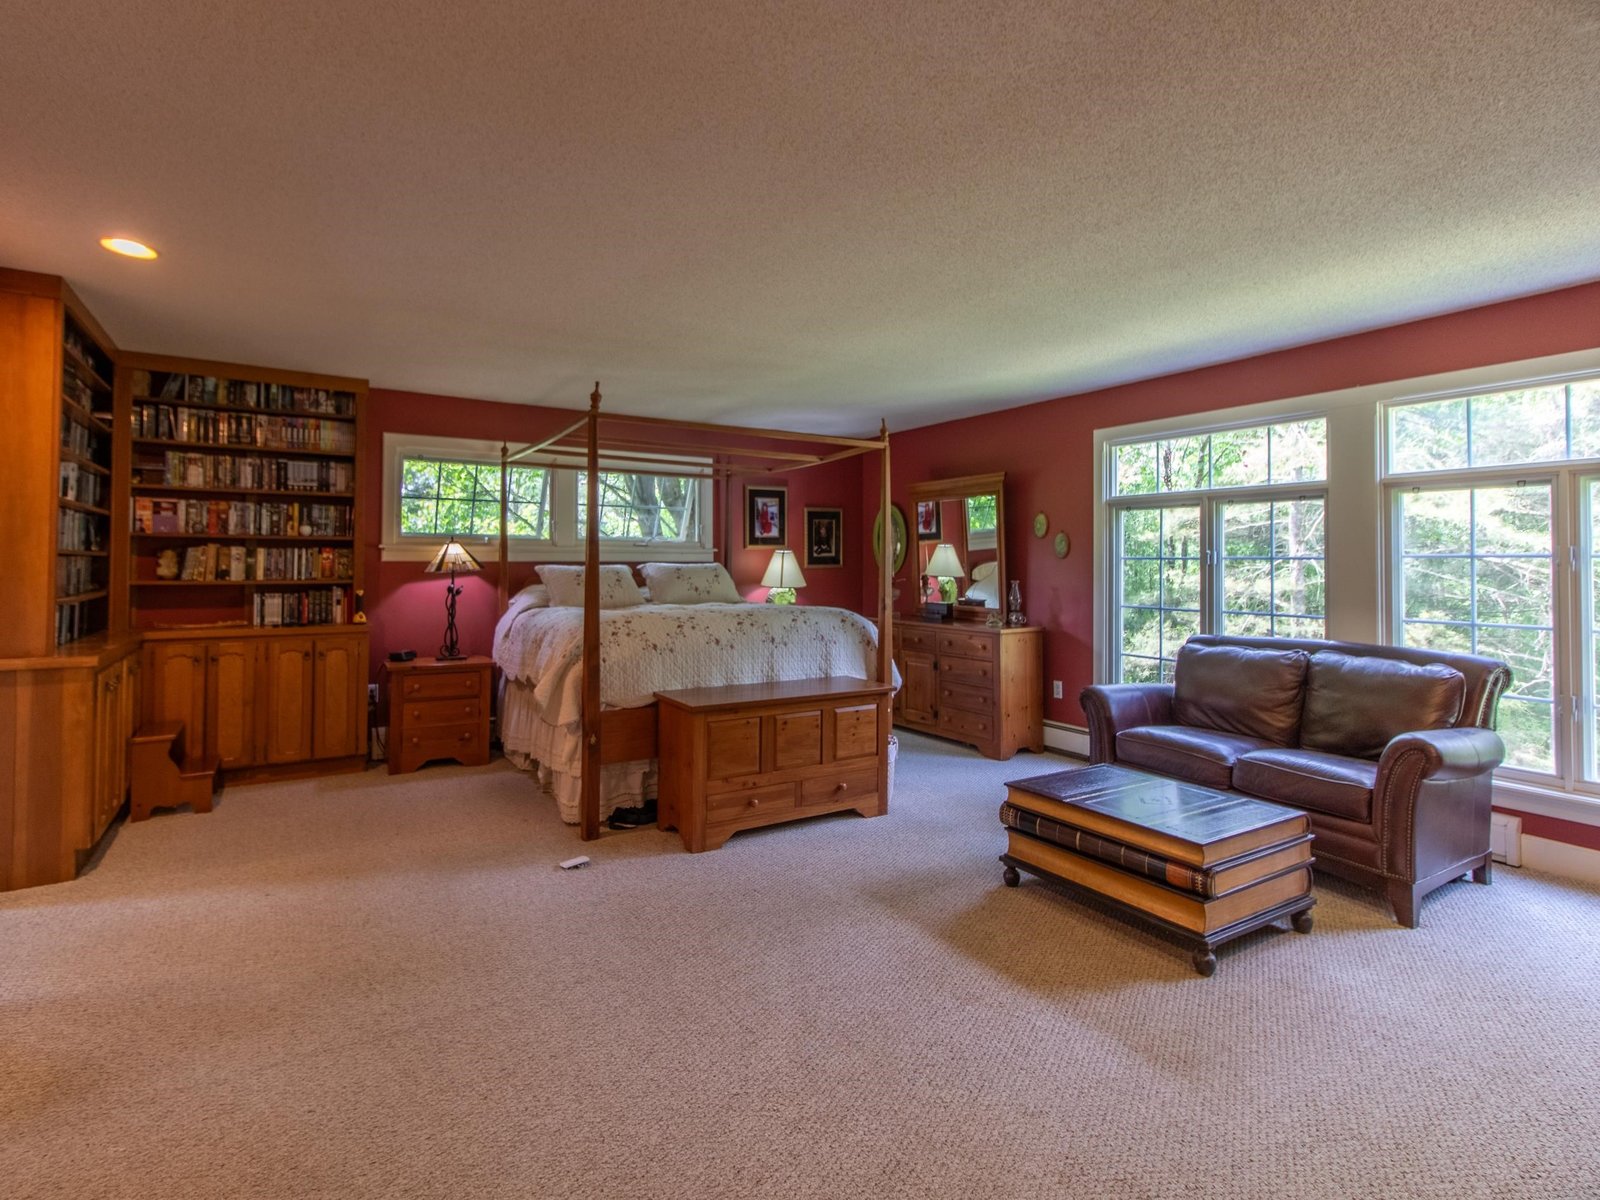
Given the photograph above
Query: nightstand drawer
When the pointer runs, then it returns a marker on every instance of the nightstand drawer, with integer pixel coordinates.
(442, 741)
(441, 685)
(965, 645)
(441, 712)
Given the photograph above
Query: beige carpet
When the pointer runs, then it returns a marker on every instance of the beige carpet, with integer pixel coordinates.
(368, 986)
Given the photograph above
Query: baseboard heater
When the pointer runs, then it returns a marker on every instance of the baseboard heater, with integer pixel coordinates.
(1505, 839)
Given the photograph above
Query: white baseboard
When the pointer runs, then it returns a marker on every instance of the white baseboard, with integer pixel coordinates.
(1069, 739)
(1560, 858)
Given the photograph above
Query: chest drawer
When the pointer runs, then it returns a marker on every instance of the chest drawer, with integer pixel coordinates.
(847, 786)
(419, 713)
(966, 724)
(442, 741)
(960, 644)
(441, 685)
(971, 698)
(749, 803)
(914, 637)
(977, 672)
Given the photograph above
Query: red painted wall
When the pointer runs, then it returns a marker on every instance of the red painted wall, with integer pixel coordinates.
(1046, 449)
(405, 607)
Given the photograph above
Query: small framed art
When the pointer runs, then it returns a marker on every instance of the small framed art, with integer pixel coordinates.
(824, 537)
(766, 516)
(928, 524)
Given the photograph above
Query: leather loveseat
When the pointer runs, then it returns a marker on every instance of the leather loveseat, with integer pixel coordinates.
(1390, 749)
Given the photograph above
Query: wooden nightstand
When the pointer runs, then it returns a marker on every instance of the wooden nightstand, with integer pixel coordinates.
(438, 710)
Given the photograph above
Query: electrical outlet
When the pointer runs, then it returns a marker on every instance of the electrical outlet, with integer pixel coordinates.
(1055, 688)
(372, 693)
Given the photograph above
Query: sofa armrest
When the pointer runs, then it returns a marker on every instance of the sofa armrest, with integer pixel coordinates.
(1443, 754)
(1111, 707)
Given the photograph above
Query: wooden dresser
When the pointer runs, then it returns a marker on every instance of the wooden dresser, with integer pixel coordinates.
(972, 683)
(438, 709)
(757, 754)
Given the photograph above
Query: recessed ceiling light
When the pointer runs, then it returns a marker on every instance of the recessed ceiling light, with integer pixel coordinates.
(133, 249)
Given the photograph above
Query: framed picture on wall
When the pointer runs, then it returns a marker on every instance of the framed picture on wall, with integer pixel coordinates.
(824, 537)
(766, 516)
(928, 520)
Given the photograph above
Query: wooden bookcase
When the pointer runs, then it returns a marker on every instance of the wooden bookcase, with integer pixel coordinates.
(248, 481)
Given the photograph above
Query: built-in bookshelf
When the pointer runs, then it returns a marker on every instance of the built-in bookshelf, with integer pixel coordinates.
(83, 496)
(245, 494)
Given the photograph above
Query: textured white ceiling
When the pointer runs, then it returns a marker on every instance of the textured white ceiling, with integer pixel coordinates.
(814, 213)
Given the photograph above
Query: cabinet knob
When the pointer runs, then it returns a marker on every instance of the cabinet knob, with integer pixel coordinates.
(466, 737)
(306, 655)
(755, 801)
(843, 787)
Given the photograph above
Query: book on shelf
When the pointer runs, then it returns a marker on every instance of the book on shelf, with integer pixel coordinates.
(327, 607)
(179, 423)
(1206, 882)
(1190, 824)
(250, 472)
(1191, 912)
(208, 390)
(265, 518)
(216, 562)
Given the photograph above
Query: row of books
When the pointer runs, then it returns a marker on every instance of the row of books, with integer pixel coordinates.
(74, 575)
(74, 621)
(326, 607)
(254, 472)
(241, 393)
(85, 487)
(265, 518)
(241, 564)
(79, 438)
(81, 348)
(76, 385)
(174, 423)
(79, 531)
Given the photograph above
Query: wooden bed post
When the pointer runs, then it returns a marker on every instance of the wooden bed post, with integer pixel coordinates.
(589, 813)
(886, 574)
(504, 589)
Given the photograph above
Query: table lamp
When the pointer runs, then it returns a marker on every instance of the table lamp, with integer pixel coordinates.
(452, 557)
(783, 576)
(942, 565)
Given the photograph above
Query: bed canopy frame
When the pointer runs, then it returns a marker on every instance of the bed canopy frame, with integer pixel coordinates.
(624, 734)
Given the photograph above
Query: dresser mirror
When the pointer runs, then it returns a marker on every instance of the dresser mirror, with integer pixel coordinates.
(958, 531)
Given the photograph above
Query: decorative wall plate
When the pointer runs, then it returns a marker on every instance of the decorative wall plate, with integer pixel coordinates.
(1063, 544)
(897, 522)
(1041, 524)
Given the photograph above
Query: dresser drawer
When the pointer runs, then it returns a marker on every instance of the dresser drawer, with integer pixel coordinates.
(749, 803)
(418, 713)
(972, 671)
(441, 685)
(442, 741)
(973, 699)
(917, 637)
(840, 787)
(965, 724)
(965, 645)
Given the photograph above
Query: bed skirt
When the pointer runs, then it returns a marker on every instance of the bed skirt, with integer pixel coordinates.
(553, 753)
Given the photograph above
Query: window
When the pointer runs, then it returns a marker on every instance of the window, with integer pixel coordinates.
(1216, 532)
(442, 498)
(1492, 504)
(450, 487)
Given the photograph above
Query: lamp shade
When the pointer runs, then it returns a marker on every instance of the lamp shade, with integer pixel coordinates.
(944, 563)
(783, 571)
(452, 556)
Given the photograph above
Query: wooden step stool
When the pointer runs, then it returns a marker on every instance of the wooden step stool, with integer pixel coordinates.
(164, 776)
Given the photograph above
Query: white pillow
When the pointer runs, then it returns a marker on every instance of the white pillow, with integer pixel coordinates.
(535, 595)
(983, 570)
(617, 588)
(690, 583)
(985, 591)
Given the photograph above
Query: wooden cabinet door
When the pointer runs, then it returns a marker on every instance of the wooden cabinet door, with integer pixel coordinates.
(107, 685)
(231, 702)
(288, 700)
(339, 699)
(175, 689)
(919, 685)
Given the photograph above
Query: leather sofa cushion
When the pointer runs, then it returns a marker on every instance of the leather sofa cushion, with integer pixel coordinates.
(1355, 705)
(1328, 783)
(1203, 756)
(1256, 693)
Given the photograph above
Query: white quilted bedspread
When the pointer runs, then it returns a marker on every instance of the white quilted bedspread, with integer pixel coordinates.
(656, 647)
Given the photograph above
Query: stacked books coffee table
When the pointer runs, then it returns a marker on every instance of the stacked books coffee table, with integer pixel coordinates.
(1202, 866)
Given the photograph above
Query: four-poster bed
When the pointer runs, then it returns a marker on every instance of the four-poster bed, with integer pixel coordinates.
(611, 735)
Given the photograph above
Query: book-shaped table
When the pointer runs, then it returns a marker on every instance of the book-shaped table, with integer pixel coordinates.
(1203, 866)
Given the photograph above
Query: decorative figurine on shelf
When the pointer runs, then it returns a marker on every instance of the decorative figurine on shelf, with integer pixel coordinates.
(167, 564)
(1014, 603)
(359, 617)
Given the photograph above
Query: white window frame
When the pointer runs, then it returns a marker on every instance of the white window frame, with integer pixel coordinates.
(564, 545)
(1358, 548)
